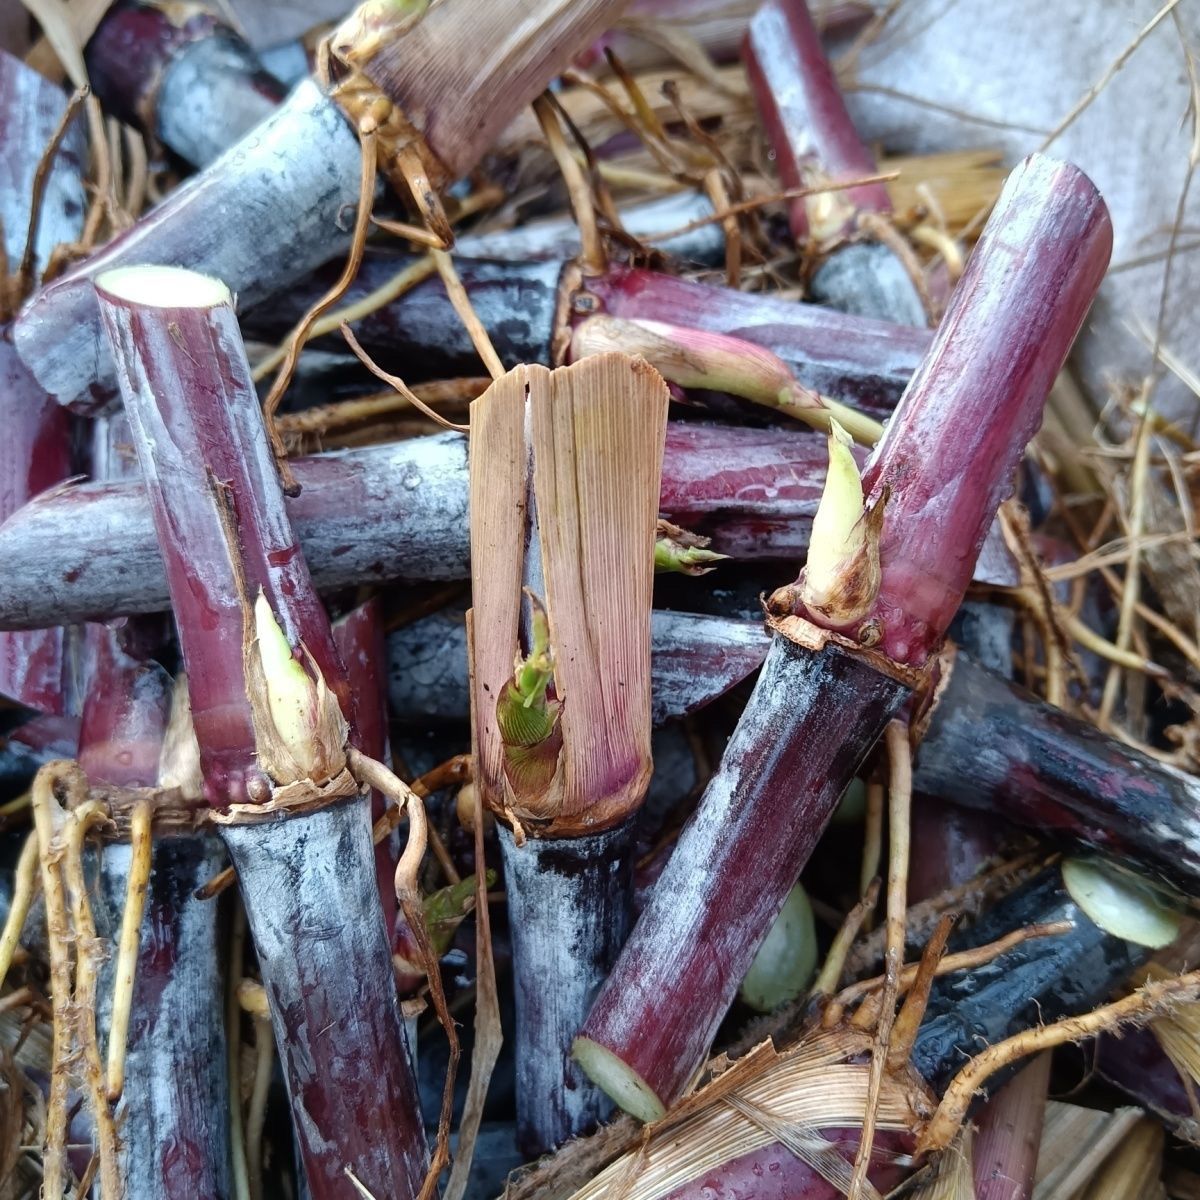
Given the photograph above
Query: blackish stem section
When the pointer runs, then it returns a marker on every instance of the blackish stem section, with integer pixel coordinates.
(29, 747)
(418, 333)
(694, 659)
(396, 511)
(809, 724)
(951, 846)
(805, 117)
(569, 911)
(1037, 982)
(180, 75)
(994, 746)
(174, 1111)
(314, 913)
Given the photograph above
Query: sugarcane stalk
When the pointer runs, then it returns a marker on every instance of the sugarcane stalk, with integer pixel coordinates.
(270, 208)
(163, 1017)
(124, 711)
(786, 736)
(873, 616)
(1008, 1135)
(394, 511)
(161, 1013)
(953, 845)
(265, 213)
(271, 728)
(1037, 980)
(642, 38)
(35, 454)
(569, 901)
(565, 481)
(41, 205)
(694, 659)
(815, 142)
(180, 75)
(36, 107)
(993, 746)
(360, 643)
(556, 239)
(860, 361)
(176, 1091)
(1135, 1062)
(956, 844)
(991, 753)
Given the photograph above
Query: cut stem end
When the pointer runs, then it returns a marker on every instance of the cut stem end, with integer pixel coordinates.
(618, 1080)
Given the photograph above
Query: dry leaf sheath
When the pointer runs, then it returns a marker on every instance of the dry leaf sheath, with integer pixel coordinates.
(565, 483)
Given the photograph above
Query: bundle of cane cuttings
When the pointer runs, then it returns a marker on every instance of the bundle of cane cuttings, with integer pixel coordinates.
(599, 600)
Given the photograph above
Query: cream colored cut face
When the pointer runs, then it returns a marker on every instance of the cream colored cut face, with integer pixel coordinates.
(1119, 905)
(623, 1084)
(164, 287)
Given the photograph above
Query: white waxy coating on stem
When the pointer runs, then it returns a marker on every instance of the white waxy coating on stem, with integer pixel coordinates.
(261, 216)
(570, 905)
(208, 98)
(164, 287)
(1120, 905)
(176, 1083)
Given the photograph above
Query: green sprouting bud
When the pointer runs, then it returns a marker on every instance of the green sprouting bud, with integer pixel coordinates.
(527, 718)
(446, 908)
(299, 729)
(677, 550)
(842, 576)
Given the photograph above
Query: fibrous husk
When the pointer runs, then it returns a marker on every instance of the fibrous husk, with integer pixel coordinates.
(299, 730)
(750, 1104)
(951, 1177)
(578, 451)
(179, 758)
(1075, 1141)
